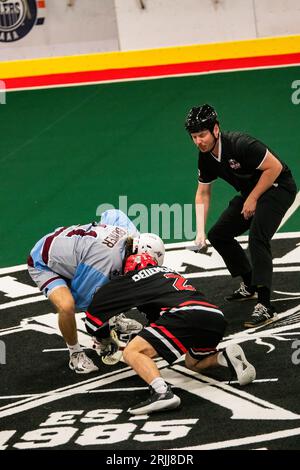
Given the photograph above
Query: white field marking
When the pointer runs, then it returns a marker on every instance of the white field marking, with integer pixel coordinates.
(69, 390)
(67, 349)
(154, 77)
(13, 269)
(292, 333)
(211, 263)
(290, 257)
(50, 320)
(285, 298)
(58, 349)
(244, 440)
(60, 393)
(138, 417)
(29, 300)
(291, 210)
(30, 327)
(286, 293)
(14, 289)
(220, 272)
(254, 381)
(124, 389)
(30, 324)
(47, 323)
(28, 395)
(242, 405)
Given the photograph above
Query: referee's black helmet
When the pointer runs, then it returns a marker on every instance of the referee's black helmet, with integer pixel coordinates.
(201, 118)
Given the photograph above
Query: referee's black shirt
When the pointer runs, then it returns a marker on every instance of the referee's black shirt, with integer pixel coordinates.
(240, 156)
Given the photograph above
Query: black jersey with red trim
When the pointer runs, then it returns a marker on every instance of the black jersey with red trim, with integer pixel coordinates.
(151, 290)
(238, 163)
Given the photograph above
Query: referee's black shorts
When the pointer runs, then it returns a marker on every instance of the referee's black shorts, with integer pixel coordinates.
(194, 327)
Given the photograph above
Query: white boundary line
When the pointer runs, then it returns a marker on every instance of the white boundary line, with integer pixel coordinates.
(29, 300)
(13, 269)
(291, 210)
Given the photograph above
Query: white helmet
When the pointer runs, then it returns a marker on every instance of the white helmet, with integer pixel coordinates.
(149, 243)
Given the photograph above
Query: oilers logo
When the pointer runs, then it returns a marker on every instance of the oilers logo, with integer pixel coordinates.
(17, 18)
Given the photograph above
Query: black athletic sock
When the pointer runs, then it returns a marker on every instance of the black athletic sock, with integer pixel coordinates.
(264, 296)
(247, 281)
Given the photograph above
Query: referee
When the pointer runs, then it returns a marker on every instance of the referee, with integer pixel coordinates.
(266, 190)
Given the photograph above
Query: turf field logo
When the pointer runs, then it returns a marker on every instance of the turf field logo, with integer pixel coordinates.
(17, 18)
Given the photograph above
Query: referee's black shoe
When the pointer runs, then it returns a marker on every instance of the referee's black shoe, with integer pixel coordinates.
(261, 315)
(156, 402)
(242, 293)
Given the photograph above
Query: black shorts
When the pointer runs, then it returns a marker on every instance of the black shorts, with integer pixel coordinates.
(197, 329)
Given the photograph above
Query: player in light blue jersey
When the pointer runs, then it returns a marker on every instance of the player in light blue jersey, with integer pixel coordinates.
(70, 264)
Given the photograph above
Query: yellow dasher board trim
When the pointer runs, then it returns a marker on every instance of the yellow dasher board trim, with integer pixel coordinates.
(151, 57)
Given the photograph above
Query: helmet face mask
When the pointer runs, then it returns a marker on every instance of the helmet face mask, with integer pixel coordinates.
(201, 118)
(149, 243)
(137, 262)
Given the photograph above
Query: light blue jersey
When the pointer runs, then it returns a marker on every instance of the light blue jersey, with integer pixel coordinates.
(83, 257)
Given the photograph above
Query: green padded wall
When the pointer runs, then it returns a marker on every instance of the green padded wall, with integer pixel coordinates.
(66, 150)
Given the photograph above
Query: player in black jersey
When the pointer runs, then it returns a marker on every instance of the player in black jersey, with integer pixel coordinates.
(267, 189)
(181, 321)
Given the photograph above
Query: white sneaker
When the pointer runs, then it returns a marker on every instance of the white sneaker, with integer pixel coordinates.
(237, 362)
(125, 325)
(81, 363)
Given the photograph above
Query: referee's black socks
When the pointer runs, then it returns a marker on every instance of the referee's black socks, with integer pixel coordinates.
(247, 281)
(264, 296)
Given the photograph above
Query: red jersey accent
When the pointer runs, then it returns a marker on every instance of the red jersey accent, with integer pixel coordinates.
(191, 302)
(95, 319)
(172, 337)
